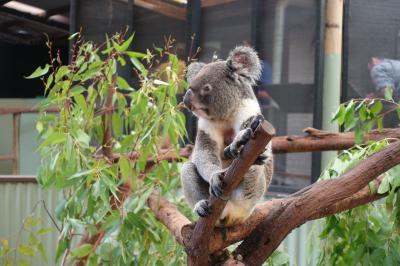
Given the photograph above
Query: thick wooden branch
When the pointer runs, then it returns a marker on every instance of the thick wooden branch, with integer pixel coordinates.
(168, 214)
(321, 199)
(198, 246)
(182, 229)
(317, 140)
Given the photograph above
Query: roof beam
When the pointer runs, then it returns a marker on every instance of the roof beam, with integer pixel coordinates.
(57, 11)
(163, 8)
(2, 2)
(210, 3)
(43, 22)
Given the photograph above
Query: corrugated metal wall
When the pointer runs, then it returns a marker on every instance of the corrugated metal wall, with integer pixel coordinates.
(295, 245)
(17, 201)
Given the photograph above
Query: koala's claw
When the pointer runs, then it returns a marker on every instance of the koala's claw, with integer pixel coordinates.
(256, 122)
(233, 150)
(261, 159)
(202, 208)
(216, 183)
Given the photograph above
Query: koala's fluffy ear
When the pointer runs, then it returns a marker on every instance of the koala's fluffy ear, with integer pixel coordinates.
(244, 61)
(193, 69)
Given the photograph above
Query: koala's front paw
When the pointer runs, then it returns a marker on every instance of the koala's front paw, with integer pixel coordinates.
(202, 208)
(216, 183)
(233, 150)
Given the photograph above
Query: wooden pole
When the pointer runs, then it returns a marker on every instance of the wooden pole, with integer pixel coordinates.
(332, 69)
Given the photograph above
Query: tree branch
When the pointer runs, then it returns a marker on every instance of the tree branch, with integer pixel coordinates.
(198, 245)
(321, 199)
(182, 229)
(318, 140)
(168, 214)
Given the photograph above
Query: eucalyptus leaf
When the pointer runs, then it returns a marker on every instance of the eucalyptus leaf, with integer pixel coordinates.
(39, 72)
(82, 251)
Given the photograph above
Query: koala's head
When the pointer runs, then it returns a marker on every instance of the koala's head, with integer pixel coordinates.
(217, 89)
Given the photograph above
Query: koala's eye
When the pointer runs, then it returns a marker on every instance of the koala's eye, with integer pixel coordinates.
(206, 89)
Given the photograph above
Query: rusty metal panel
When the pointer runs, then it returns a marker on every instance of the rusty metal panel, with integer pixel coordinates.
(17, 201)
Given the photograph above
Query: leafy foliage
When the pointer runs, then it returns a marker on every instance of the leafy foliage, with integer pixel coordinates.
(27, 245)
(278, 258)
(98, 147)
(369, 234)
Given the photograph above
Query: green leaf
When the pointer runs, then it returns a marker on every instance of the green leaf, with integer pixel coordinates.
(39, 72)
(83, 137)
(122, 83)
(61, 72)
(33, 240)
(143, 200)
(117, 125)
(139, 66)
(63, 244)
(39, 127)
(26, 250)
(125, 167)
(363, 113)
(77, 89)
(125, 45)
(42, 252)
(380, 124)
(339, 115)
(22, 262)
(31, 221)
(135, 54)
(82, 251)
(376, 108)
(111, 222)
(82, 173)
(80, 100)
(52, 139)
(9, 261)
(389, 94)
(384, 186)
(45, 231)
(372, 187)
(49, 82)
(73, 35)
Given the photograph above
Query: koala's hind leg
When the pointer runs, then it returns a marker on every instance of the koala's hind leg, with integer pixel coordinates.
(195, 189)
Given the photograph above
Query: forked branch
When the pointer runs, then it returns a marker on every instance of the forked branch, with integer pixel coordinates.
(273, 220)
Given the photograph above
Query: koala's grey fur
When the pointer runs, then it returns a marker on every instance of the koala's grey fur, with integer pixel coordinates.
(221, 95)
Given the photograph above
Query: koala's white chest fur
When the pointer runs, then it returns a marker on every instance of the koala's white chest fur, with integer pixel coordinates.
(223, 132)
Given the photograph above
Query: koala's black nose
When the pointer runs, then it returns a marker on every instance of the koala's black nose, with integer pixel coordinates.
(186, 99)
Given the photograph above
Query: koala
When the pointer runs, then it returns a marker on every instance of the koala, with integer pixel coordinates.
(220, 94)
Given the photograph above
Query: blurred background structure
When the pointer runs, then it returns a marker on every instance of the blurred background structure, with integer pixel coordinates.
(288, 35)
